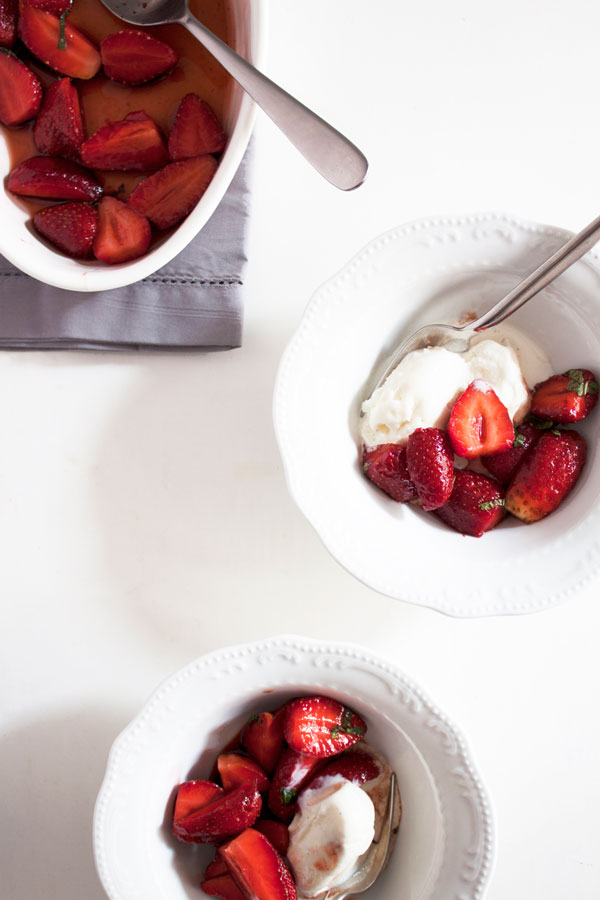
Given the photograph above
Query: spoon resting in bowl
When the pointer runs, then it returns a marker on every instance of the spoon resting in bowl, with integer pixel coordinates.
(328, 151)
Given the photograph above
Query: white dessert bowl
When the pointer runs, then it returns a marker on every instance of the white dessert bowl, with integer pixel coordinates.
(429, 271)
(25, 250)
(445, 842)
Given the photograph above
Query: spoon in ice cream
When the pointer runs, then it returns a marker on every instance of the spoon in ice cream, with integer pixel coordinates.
(328, 151)
(457, 337)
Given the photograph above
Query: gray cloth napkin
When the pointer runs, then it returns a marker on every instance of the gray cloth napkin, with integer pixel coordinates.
(193, 302)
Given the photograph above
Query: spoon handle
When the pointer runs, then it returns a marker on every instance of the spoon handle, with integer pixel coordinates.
(554, 266)
(331, 154)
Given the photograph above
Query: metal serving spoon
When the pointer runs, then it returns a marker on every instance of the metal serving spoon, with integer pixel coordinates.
(331, 154)
(457, 338)
(377, 855)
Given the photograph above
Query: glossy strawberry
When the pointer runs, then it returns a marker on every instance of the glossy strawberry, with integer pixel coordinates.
(217, 867)
(386, 467)
(122, 233)
(257, 867)
(502, 466)
(70, 227)
(58, 44)
(222, 886)
(277, 832)
(171, 193)
(56, 7)
(222, 818)
(292, 773)
(133, 144)
(262, 738)
(546, 476)
(565, 398)
(352, 765)
(236, 769)
(476, 504)
(193, 795)
(8, 22)
(134, 57)
(321, 726)
(479, 423)
(53, 178)
(20, 91)
(195, 130)
(430, 461)
(58, 128)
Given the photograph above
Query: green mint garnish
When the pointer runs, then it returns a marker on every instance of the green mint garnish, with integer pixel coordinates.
(486, 505)
(62, 35)
(288, 795)
(254, 718)
(519, 440)
(542, 424)
(346, 727)
(579, 384)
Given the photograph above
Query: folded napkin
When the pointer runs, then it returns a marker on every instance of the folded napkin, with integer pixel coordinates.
(193, 302)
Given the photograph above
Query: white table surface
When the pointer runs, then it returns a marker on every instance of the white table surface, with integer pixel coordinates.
(144, 517)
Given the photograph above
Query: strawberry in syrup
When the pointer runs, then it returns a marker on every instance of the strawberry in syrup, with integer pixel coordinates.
(430, 461)
(479, 423)
(566, 398)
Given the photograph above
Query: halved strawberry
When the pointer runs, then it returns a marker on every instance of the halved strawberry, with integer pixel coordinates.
(171, 193)
(58, 128)
(386, 467)
(53, 178)
(217, 867)
(277, 832)
(70, 227)
(352, 765)
(8, 22)
(546, 475)
(430, 461)
(58, 44)
(56, 7)
(122, 234)
(195, 130)
(20, 91)
(135, 57)
(565, 398)
(236, 769)
(223, 818)
(476, 503)
(258, 868)
(292, 773)
(133, 144)
(480, 423)
(222, 886)
(193, 795)
(502, 466)
(321, 726)
(262, 738)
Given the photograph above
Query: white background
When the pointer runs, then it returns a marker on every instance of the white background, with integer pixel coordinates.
(144, 517)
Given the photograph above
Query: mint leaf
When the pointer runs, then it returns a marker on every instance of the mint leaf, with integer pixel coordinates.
(519, 440)
(62, 35)
(288, 795)
(542, 424)
(345, 727)
(254, 718)
(486, 505)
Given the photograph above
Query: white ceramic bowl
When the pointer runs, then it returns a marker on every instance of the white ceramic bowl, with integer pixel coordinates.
(445, 843)
(21, 246)
(424, 272)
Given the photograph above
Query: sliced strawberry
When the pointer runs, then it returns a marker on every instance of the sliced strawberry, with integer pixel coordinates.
(236, 769)
(476, 503)
(193, 795)
(352, 765)
(56, 7)
(195, 130)
(58, 44)
(53, 178)
(430, 461)
(258, 868)
(171, 193)
(262, 738)
(134, 57)
(292, 773)
(223, 818)
(20, 91)
(58, 129)
(8, 23)
(122, 234)
(277, 832)
(217, 867)
(480, 423)
(386, 466)
(222, 886)
(565, 398)
(70, 227)
(133, 144)
(546, 475)
(502, 466)
(321, 727)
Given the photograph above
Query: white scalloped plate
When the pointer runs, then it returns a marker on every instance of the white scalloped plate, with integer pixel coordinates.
(434, 271)
(444, 849)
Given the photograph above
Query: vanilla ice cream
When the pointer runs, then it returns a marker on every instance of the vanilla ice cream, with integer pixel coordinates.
(334, 826)
(422, 389)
